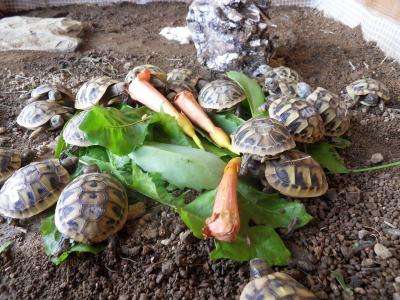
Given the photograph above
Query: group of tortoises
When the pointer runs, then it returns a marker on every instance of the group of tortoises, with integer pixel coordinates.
(94, 206)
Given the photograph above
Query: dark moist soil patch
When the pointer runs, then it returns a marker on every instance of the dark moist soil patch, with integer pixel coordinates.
(157, 258)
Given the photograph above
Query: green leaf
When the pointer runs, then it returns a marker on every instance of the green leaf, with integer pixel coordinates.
(94, 249)
(340, 280)
(180, 165)
(227, 121)
(60, 147)
(120, 131)
(339, 142)
(5, 245)
(252, 89)
(328, 157)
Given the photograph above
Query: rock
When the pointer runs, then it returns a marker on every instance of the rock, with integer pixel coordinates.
(362, 234)
(165, 242)
(143, 297)
(376, 158)
(150, 233)
(396, 296)
(2, 130)
(167, 267)
(353, 195)
(393, 231)
(187, 237)
(381, 251)
(179, 34)
(40, 34)
(230, 34)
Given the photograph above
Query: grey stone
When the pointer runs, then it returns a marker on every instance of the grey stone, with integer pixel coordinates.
(362, 234)
(376, 158)
(381, 251)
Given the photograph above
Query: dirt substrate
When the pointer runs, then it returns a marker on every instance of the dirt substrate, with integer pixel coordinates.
(157, 257)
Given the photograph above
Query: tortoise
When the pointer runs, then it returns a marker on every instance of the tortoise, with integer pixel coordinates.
(186, 75)
(296, 174)
(303, 90)
(72, 134)
(332, 111)
(284, 72)
(266, 284)
(35, 187)
(55, 93)
(368, 92)
(11, 160)
(39, 115)
(92, 207)
(300, 117)
(100, 90)
(281, 87)
(261, 138)
(177, 86)
(220, 95)
(158, 76)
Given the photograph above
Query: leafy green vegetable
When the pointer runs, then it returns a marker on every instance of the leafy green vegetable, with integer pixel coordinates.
(227, 121)
(252, 89)
(94, 249)
(267, 211)
(5, 245)
(60, 147)
(327, 157)
(120, 131)
(339, 278)
(180, 165)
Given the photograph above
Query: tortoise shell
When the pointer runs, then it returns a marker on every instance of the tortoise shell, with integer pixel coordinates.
(38, 113)
(32, 189)
(363, 87)
(179, 86)
(91, 208)
(296, 174)
(332, 111)
(282, 72)
(185, 75)
(276, 286)
(10, 161)
(262, 136)
(92, 92)
(72, 134)
(41, 92)
(220, 95)
(300, 117)
(154, 70)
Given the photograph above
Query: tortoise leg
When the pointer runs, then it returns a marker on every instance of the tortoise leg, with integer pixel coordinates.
(62, 246)
(36, 133)
(243, 165)
(136, 210)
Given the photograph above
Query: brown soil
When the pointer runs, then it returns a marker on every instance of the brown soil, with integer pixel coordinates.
(156, 257)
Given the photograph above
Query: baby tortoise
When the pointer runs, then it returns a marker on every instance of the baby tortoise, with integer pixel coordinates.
(92, 208)
(35, 187)
(39, 115)
(73, 135)
(220, 95)
(158, 76)
(101, 90)
(332, 111)
(261, 138)
(53, 93)
(11, 160)
(368, 92)
(176, 86)
(272, 286)
(187, 76)
(300, 117)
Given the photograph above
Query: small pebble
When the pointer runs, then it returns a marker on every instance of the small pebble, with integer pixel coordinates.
(381, 251)
(376, 158)
(165, 242)
(396, 296)
(362, 234)
(2, 130)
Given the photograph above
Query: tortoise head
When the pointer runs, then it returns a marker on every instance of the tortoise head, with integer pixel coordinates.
(69, 163)
(93, 168)
(27, 156)
(259, 268)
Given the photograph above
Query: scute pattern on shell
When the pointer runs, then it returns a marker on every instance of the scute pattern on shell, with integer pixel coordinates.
(296, 174)
(91, 208)
(38, 113)
(332, 111)
(92, 91)
(220, 95)
(300, 117)
(286, 72)
(32, 189)
(10, 161)
(276, 286)
(367, 86)
(287, 87)
(182, 75)
(73, 135)
(154, 70)
(262, 136)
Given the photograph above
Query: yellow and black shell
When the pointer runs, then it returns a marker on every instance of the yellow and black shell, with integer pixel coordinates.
(332, 110)
(39, 113)
(92, 92)
(296, 174)
(73, 135)
(185, 75)
(300, 117)
(282, 72)
(276, 286)
(154, 71)
(287, 87)
(365, 87)
(10, 161)
(32, 189)
(92, 208)
(220, 95)
(262, 136)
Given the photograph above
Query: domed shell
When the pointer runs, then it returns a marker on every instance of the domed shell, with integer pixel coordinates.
(262, 136)
(91, 208)
(300, 117)
(32, 189)
(38, 113)
(367, 86)
(10, 161)
(42, 91)
(220, 95)
(92, 92)
(332, 110)
(154, 70)
(296, 174)
(73, 135)
(179, 86)
(276, 286)
(286, 72)
(287, 87)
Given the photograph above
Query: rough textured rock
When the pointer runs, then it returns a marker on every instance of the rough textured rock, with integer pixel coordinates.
(230, 34)
(42, 34)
